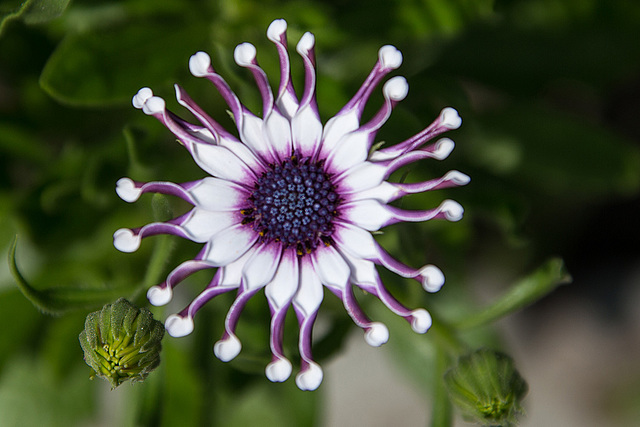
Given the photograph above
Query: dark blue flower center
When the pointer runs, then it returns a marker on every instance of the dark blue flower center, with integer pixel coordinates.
(294, 203)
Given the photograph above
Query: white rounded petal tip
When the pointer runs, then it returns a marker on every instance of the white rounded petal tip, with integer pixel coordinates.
(396, 88)
(376, 335)
(199, 64)
(127, 191)
(178, 326)
(141, 97)
(444, 147)
(159, 295)
(278, 371)
(125, 240)
(457, 177)
(227, 349)
(153, 105)
(244, 54)
(452, 210)
(432, 278)
(306, 43)
(450, 118)
(310, 379)
(276, 29)
(421, 321)
(390, 57)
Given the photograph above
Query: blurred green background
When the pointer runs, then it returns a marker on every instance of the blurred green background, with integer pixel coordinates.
(549, 93)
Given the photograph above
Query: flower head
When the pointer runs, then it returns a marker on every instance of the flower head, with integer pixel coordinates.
(291, 203)
(122, 342)
(487, 388)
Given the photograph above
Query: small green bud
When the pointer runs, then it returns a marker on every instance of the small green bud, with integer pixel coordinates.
(487, 388)
(122, 342)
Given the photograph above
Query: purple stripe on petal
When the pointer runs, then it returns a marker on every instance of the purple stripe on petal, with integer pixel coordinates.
(279, 293)
(225, 348)
(389, 58)
(287, 100)
(447, 120)
(211, 291)
(223, 138)
(245, 56)
(214, 127)
(184, 270)
(130, 190)
(413, 156)
(306, 50)
(448, 210)
(450, 179)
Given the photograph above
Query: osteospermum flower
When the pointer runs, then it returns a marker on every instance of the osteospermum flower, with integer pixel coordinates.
(290, 204)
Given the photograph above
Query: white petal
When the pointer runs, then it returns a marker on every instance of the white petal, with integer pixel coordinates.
(310, 379)
(222, 163)
(227, 349)
(278, 371)
(199, 64)
(178, 326)
(232, 272)
(307, 131)
(285, 282)
(125, 240)
(278, 130)
(362, 177)
(332, 269)
(377, 334)
(421, 321)
(382, 193)
(261, 267)
(244, 54)
(127, 190)
(252, 134)
(230, 244)
(432, 278)
(362, 271)
(390, 57)
(336, 128)
(140, 98)
(450, 118)
(159, 295)
(310, 293)
(202, 224)
(217, 194)
(356, 241)
(368, 214)
(351, 150)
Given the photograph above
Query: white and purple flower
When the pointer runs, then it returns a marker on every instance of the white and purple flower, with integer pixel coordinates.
(290, 204)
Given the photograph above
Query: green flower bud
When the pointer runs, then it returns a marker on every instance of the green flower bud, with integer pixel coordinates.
(487, 388)
(122, 342)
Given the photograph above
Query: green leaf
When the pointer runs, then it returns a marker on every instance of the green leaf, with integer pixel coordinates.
(558, 153)
(110, 66)
(35, 12)
(528, 290)
(56, 301)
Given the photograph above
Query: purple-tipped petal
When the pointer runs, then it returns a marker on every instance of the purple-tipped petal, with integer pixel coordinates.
(287, 101)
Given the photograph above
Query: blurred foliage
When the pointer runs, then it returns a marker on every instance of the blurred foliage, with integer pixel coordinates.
(548, 91)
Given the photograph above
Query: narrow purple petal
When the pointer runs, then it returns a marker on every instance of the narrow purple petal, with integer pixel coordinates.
(448, 120)
(287, 100)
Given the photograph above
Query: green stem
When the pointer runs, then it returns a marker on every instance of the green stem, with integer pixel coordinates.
(441, 414)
